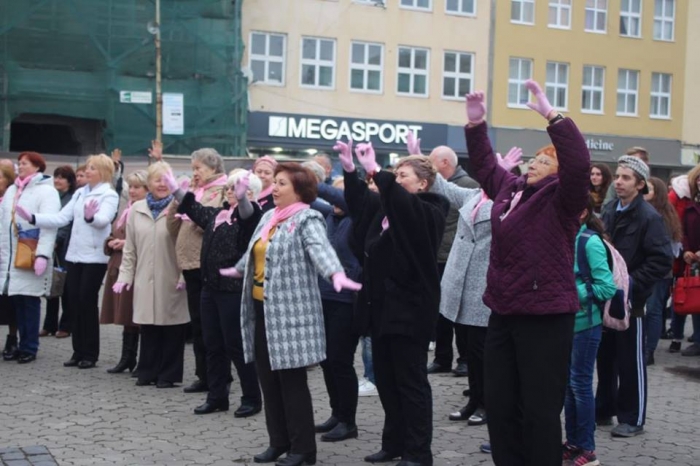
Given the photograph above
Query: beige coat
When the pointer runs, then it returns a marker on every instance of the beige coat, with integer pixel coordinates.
(149, 264)
(188, 245)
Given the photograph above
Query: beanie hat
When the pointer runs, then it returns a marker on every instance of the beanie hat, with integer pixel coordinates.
(265, 159)
(638, 166)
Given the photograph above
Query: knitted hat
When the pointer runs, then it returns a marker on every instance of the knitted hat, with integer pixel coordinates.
(638, 166)
(265, 159)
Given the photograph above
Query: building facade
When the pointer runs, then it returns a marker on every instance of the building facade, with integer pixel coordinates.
(691, 109)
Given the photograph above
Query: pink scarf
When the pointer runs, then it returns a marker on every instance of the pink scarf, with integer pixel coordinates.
(264, 193)
(22, 183)
(513, 204)
(280, 215)
(482, 201)
(224, 216)
(124, 216)
(199, 193)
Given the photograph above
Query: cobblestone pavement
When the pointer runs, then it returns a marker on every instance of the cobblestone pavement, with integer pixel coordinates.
(89, 417)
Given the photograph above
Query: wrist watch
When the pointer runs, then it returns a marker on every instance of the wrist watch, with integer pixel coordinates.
(558, 117)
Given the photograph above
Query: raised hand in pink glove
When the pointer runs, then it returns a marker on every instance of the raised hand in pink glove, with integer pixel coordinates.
(21, 212)
(40, 264)
(366, 157)
(90, 209)
(342, 282)
(345, 155)
(180, 286)
(241, 188)
(413, 144)
(120, 286)
(541, 104)
(512, 158)
(476, 107)
(170, 181)
(185, 184)
(231, 272)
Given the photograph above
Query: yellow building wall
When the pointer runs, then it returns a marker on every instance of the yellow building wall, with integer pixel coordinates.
(691, 110)
(345, 20)
(578, 48)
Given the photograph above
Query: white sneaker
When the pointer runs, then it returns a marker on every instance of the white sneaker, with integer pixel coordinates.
(431, 346)
(367, 388)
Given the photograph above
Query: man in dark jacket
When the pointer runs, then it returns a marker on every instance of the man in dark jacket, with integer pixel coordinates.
(637, 232)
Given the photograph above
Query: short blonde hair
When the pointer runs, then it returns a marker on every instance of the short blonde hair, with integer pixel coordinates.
(138, 178)
(103, 165)
(421, 165)
(157, 169)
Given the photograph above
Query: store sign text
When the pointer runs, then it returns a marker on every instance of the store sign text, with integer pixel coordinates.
(331, 130)
(599, 144)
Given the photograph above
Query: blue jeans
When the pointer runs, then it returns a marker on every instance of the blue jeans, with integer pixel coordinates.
(367, 358)
(579, 403)
(28, 314)
(678, 325)
(655, 312)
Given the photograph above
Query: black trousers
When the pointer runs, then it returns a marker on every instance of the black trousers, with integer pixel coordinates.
(401, 372)
(83, 282)
(476, 338)
(526, 372)
(621, 358)
(221, 329)
(162, 353)
(51, 322)
(289, 414)
(338, 368)
(193, 280)
(443, 338)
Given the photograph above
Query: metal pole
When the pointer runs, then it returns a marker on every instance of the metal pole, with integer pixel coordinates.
(159, 93)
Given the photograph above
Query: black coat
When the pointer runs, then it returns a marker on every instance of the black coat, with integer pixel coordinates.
(223, 247)
(640, 236)
(401, 283)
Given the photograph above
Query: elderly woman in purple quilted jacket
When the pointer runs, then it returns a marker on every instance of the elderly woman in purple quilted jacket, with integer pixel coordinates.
(530, 284)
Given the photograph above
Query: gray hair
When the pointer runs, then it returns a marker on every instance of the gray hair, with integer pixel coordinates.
(316, 168)
(209, 157)
(255, 185)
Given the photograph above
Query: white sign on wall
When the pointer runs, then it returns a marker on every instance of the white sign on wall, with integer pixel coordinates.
(329, 129)
(135, 97)
(173, 113)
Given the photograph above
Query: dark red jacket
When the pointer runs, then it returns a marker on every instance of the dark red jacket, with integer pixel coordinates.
(532, 251)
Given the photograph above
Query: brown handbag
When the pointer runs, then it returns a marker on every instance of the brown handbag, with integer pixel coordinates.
(26, 249)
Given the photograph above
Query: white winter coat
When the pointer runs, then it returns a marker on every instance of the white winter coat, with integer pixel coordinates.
(86, 244)
(38, 196)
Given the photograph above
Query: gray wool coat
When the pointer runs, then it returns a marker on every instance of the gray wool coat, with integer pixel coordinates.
(464, 281)
(297, 254)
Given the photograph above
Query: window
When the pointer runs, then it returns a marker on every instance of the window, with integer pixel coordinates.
(631, 18)
(418, 4)
(664, 17)
(593, 89)
(660, 95)
(461, 7)
(519, 71)
(557, 84)
(522, 11)
(560, 14)
(317, 63)
(458, 75)
(627, 91)
(413, 71)
(266, 60)
(596, 15)
(366, 66)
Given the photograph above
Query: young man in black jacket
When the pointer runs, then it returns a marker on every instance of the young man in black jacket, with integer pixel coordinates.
(638, 233)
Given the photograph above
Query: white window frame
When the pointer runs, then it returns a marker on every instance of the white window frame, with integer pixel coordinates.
(664, 19)
(519, 81)
(317, 63)
(412, 71)
(457, 75)
(627, 91)
(596, 10)
(631, 16)
(556, 85)
(267, 58)
(658, 94)
(459, 8)
(366, 67)
(522, 12)
(414, 5)
(559, 6)
(592, 89)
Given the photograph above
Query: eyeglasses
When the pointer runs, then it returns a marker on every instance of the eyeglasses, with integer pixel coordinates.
(544, 160)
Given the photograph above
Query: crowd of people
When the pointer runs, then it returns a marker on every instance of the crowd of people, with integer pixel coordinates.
(281, 267)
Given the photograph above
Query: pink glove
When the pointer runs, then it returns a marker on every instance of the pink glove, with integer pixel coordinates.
(541, 104)
(120, 286)
(512, 158)
(412, 144)
(242, 185)
(476, 108)
(185, 184)
(23, 213)
(368, 160)
(342, 282)
(180, 286)
(345, 155)
(90, 209)
(231, 272)
(170, 181)
(40, 264)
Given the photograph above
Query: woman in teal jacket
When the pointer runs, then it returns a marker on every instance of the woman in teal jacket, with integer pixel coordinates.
(579, 404)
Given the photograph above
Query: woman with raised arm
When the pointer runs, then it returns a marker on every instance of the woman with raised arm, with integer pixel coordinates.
(530, 288)
(398, 231)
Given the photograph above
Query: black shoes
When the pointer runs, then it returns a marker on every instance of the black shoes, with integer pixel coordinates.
(270, 455)
(467, 392)
(675, 347)
(463, 414)
(649, 358)
(461, 370)
(408, 463)
(198, 386)
(435, 368)
(382, 456)
(72, 362)
(86, 364)
(478, 418)
(297, 459)
(246, 410)
(211, 407)
(342, 431)
(25, 358)
(144, 383)
(328, 425)
(164, 384)
(692, 350)
(11, 352)
(130, 344)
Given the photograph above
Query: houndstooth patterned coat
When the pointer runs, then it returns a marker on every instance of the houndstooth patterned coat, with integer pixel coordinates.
(296, 255)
